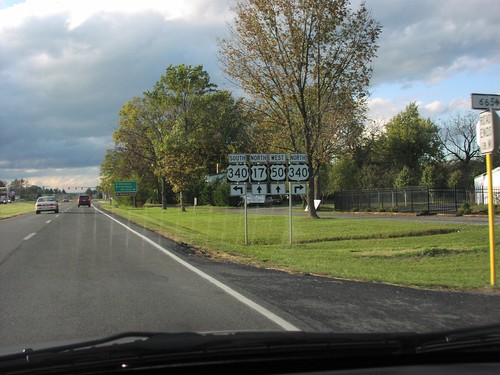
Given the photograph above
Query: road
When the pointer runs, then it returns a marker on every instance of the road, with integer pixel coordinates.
(83, 274)
(80, 274)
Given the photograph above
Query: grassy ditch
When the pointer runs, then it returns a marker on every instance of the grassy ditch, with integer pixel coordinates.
(15, 209)
(405, 253)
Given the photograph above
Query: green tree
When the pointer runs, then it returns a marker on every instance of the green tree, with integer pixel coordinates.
(307, 64)
(403, 178)
(428, 177)
(411, 141)
(345, 174)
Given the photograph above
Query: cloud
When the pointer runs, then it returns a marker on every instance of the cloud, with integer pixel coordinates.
(429, 40)
(67, 67)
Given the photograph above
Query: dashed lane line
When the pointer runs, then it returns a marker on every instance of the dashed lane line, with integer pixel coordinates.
(29, 236)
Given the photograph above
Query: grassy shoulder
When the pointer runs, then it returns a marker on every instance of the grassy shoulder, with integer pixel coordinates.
(15, 209)
(404, 253)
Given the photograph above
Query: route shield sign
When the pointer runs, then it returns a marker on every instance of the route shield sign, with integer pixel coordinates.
(277, 172)
(258, 172)
(298, 172)
(237, 173)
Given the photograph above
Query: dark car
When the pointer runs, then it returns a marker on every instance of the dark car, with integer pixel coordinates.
(273, 200)
(84, 200)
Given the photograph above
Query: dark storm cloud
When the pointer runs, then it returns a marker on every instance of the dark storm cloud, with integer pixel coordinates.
(62, 87)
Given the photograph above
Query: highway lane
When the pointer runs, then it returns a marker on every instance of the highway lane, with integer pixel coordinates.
(82, 275)
(79, 274)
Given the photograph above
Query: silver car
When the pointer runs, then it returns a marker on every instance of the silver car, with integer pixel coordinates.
(46, 204)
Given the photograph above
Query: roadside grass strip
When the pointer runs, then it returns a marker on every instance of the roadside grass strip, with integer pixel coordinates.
(15, 209)
(431, 255)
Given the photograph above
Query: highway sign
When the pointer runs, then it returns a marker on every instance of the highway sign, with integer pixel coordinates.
(125, 188)
(298, 172)
(237, 158)
(278, 189)
(258, 158)
(485, 101)
(488, 126)
(298, 158)
(258, 172)
(277, 158)
(277, 172)
(298, 189)
(238, 190)
(237, 173)
(258, 189)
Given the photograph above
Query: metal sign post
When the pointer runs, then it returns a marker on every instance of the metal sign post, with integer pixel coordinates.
(254, 176)
(488, 126)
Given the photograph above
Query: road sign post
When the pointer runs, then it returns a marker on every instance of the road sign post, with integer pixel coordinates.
(488, 127)
(254, 176)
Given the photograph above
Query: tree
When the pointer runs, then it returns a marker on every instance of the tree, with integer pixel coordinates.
(458, 138)
(181, 129)
(411, 141)
(307, 64)
(344, 174)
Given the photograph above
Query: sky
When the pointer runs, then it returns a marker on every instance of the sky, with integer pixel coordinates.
(68, 66)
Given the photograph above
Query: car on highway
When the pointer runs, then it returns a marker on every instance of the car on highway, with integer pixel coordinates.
(46, 203)
(84, 200)
(4, 200)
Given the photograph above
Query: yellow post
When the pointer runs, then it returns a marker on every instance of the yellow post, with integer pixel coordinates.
(491, 217)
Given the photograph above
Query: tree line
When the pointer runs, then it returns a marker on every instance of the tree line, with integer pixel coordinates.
(305, 67)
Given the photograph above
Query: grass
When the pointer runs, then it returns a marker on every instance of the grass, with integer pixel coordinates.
(404, 253)
(15, 209)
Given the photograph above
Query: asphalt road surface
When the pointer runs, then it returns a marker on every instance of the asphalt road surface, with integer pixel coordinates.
(83, 274)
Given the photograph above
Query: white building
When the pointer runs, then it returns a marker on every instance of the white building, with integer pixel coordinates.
(481, 187)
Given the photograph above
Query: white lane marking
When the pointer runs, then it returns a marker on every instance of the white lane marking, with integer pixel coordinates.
(260, 309)
(29, 236)
(48, 221)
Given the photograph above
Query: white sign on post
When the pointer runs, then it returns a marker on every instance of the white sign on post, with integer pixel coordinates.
(298, 172)
(259, 189)
(487, 125)
(238, 190)
(258, 172)
(485, 101)
(237, 173)
(278, 189)
(277, 172)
